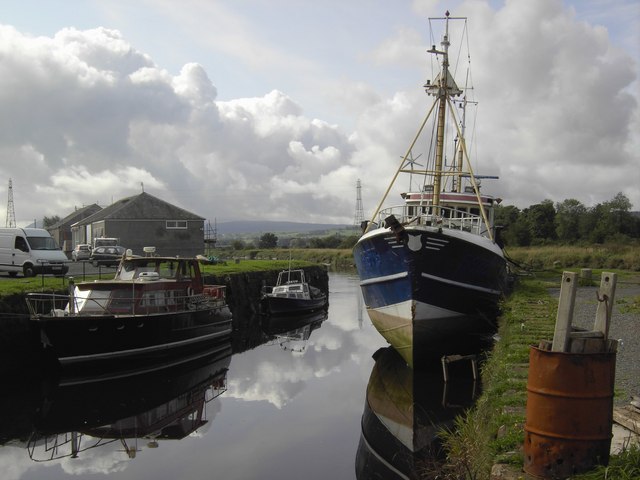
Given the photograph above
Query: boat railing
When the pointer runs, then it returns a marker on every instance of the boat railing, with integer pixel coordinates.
(118, 302)
(46, 303)
(440, 217)
(45, 448)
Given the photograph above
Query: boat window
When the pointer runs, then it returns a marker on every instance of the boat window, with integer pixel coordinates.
(186, 270)
(167, 270)
(152, 299)
(475, 211)
(93, 300)
(126, 275)
(121, 301)
(410, 211)
(144, 269)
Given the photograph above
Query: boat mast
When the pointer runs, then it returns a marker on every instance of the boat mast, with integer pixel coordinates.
(442, 107)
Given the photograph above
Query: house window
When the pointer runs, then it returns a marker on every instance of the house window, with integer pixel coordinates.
(176, 224)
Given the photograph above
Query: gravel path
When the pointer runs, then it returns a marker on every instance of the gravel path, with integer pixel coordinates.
(625, 326)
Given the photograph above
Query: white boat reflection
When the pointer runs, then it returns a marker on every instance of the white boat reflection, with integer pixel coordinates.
(292, 332)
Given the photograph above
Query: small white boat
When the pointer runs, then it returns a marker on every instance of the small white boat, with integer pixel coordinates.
(292, 294)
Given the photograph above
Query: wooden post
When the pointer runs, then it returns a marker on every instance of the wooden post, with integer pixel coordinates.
(606, 295)
(585, 275)
(565, 312)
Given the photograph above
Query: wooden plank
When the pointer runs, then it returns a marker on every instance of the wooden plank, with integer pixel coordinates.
(607, 291)
(628, 418)
(565, 312)
(589, 334)
(587, 345)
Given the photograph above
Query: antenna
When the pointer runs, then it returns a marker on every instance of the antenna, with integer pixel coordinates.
(11, 213)
(359, 216)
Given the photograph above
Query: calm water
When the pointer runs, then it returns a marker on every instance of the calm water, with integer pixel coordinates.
(291, 409)
(275, 401)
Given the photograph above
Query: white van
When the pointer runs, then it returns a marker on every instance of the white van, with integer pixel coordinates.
(30, 251)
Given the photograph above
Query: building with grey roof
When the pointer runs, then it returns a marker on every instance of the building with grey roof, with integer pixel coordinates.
(145, 221)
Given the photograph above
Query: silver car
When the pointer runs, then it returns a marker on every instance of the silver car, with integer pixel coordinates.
(81, 251)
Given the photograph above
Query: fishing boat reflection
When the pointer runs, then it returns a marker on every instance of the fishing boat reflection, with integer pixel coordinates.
(405, 411)
(292, 332)
(131, 409)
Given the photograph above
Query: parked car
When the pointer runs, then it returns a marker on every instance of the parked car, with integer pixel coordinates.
(107, 256)
(82, 251)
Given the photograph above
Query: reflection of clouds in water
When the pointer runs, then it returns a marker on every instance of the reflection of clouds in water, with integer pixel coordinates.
(269, 373)
(14, 463)
(266, 380)
(327, 339)
(105, 459)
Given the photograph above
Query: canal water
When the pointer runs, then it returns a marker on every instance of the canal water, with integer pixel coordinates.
(280, 399)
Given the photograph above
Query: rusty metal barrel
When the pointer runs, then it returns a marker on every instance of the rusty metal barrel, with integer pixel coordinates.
(569, 412)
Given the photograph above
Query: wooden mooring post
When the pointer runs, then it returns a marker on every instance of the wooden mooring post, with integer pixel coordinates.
(568, 339)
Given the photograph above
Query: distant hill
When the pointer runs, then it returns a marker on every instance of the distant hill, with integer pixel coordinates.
(244, 227)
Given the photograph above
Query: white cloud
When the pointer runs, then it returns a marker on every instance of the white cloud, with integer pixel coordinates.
(86, 113)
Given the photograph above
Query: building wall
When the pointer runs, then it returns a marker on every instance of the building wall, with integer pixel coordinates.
(137, 234)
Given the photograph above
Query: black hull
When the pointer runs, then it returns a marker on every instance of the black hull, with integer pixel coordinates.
(81, 340)
(36, 405)
(279, 324)
(404, 414)
(292, 306)
(432, 292)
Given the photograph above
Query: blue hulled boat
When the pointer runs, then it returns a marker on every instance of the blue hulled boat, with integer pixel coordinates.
(431, 270)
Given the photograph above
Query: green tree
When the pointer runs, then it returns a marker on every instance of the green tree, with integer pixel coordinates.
(521, 232)
(49, 221)
(506, 217)
(330, 241)
(541, 220)
(349, 242)
(268, 240)
(238, 244)
(609, 219)
(569, 215)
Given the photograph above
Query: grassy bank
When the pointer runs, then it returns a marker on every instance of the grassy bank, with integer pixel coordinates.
(19, 285)
(339, 259)
(609, 256)
(493, 432)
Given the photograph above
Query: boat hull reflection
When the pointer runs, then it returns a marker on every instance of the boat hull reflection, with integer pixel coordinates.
(405, 411)
(75, 414)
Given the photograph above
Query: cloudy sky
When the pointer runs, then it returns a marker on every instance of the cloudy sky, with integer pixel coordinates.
(272, 109)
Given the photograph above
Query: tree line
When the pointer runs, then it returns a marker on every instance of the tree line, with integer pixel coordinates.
(544, 223)
(569, 221)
